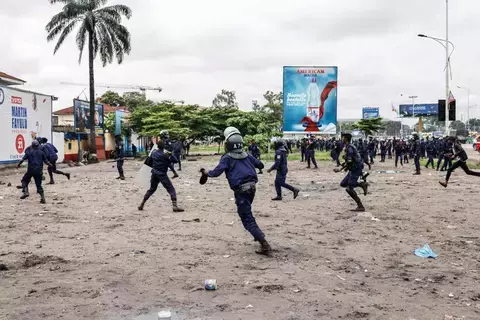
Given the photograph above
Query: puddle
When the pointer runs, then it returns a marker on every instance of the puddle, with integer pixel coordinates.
(390, 171)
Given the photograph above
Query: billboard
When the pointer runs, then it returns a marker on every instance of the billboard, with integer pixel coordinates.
(310, 100)
(370, 113)
(82, 116)
(24, 116)
(422, 109)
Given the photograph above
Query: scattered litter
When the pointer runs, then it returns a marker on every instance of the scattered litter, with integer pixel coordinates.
(340, 278)
(306, 196)
(231, 199)
(425, 252)
(418, 280)
(451, 295)
(191, 220)
(1, 198)
(249, 306)
(211, 284)
(164, 315)
(136, 252)
(226, 256)
(230, 224)
(96, 212)
(365, 215)
(375, 219)
(296, 290)
(451, 227)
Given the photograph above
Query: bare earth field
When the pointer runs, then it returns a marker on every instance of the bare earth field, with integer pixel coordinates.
(89, 254)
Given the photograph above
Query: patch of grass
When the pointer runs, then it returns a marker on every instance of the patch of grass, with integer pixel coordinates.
(205, 148)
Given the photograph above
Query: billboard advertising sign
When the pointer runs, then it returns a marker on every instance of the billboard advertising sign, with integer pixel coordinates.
(310, 100)
(370, 113)
(82, 116)
(24, 116)
(423, 109)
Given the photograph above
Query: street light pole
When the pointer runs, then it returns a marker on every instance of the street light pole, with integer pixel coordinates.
(447, 78)
(446, 44)
(413, 107)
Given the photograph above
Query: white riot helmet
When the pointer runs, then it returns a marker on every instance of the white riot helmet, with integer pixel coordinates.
(230, 131)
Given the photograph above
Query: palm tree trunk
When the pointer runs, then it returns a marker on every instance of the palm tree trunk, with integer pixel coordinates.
(93, 145)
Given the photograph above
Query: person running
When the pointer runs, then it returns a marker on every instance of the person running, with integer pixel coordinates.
(281, 167)
(462, 158)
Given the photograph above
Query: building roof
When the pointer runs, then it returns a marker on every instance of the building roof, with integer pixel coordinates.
(10, 80)
(106, 109)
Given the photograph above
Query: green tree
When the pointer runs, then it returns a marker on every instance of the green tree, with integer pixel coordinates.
(134, 99)
(393, 128)
(457, 125)
(225, 99)
(101, 28)
(112, 98)
(369, 126)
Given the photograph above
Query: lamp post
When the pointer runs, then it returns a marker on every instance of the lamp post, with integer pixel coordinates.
(445, 43)
(468, 105)
(413, 107)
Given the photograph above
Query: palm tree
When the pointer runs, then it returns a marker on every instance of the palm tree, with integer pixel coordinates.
(99, 26)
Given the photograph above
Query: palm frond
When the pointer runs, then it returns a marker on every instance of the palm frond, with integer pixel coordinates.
(95, 4)
(106, 43)
(117, 10)
(66, 31)
(81, 38)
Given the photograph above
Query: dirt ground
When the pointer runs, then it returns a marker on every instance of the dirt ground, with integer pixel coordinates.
(89, 254)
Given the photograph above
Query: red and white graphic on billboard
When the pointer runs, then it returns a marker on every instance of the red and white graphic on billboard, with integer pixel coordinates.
(20, 144)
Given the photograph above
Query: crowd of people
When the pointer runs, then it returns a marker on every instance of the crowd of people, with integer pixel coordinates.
(240, 166)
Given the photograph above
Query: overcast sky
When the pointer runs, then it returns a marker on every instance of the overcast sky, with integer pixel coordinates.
(193, 49)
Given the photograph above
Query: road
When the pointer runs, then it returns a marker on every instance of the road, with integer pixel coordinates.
(90, 254)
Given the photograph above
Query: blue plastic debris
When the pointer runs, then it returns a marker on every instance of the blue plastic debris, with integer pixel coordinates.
(425, 252)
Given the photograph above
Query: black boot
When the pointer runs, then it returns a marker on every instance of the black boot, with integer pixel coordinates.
(25, 193)
(265, 248)
(140, 207)
(175, 207)
(67, 175)
(42, 198)
(364, 186)
(354, 196)
(295, 193)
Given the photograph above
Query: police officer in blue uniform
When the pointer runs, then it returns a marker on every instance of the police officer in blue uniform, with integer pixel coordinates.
(461, 162)
(440, 151)
(371, 150)
(398, 153)
(429, 149)
(239, 168)
(36, 158)
(417, 152)
(177, 152)
(281, 167)
(354, 165)
(161, 161)
(312, 145)
(383, 151)
(119, 157)
(254, 150)
(53, 158)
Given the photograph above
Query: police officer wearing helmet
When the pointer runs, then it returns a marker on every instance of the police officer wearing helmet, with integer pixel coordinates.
(280, 165)
(239, 168)
(417, 151)
(36, 158)
(166, 139)
(354, 165)
(160, 162)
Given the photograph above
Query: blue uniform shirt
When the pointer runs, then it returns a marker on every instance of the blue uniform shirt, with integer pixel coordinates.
(280, 162)
(238, 171)
(353, 159)
(161, 161)
(36, 158)
(119, 152)
(254, 150)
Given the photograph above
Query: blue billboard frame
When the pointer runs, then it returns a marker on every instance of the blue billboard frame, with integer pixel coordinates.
(421, 109)
(370, 112)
